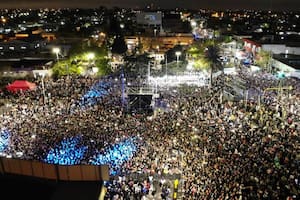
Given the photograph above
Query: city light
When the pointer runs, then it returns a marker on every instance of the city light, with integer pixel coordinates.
(95, 70)
(190, 66)
(56, 50)
(90, 56)
(193, 23)
(178, 54)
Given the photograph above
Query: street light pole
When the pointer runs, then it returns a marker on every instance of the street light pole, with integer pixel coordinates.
(43, 88)
(246, 98)
(166, 66)
(155, 30)
(56, 50)
(177, 53)
(90, 57)
(280, 93)
(149, 70)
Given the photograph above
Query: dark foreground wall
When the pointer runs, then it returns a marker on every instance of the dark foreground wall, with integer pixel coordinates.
(54, 172)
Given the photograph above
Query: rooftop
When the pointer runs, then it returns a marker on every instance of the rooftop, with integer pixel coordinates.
(289, 59)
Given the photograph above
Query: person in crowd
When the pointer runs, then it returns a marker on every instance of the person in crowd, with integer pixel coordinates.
(219, 149)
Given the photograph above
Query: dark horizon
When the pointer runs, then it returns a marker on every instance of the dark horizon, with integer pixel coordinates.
(276, 5)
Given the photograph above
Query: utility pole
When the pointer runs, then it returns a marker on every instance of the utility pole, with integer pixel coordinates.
(43, 88)
(166, 66)
(246, 98)
(149, 73)
(123, 87)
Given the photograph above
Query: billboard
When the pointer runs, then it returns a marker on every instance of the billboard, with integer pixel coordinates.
(149, 18)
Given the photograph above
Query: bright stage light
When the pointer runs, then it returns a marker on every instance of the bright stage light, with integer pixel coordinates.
(4, 139)
(116, 155)
(188, 78)
(68, 152)
(91, 97)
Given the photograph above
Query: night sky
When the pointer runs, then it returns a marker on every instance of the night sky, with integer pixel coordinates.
(216, 4)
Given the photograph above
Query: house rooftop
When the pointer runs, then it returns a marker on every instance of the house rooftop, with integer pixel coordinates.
(289, 59)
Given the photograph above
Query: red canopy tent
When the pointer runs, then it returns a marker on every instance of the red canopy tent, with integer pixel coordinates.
(20, 85)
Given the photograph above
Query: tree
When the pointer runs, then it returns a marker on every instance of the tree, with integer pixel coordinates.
(79, 60)
(201, 64)
(194, 51)
(171, 53)
(114, 24)
(119, 46)
(263, 59)
(212, 55)
(227, 39)
(103, 67)
(64, 67)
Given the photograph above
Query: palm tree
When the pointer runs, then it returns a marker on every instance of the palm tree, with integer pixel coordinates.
(263, 59)
(212, 55)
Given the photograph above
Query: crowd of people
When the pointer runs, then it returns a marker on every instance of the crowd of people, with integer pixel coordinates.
(217, 148)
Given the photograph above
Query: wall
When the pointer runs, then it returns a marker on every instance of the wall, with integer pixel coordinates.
(281, 48)
(54, 172)
(282, 67)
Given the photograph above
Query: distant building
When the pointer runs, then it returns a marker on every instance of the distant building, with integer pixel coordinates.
(22, 44)
(251, 46)
(289, 48)
(149, 18)
(149, 23)
(276, 46)
(163, 43)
